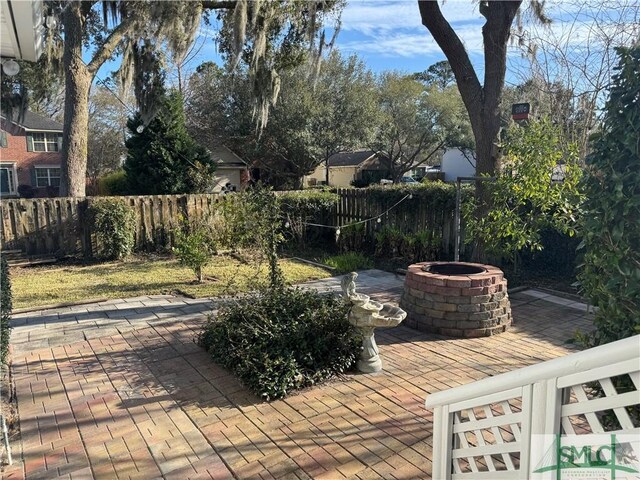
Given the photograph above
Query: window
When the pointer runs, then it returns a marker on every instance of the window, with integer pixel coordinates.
(45, 142)
(3, 138)
(47, 176)
(7, 180)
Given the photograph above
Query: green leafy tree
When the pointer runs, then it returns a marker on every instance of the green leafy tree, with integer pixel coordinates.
(307, 125)
(107, 131)
(195, 244)
(610, 276)
(417, 122)
(162, 157)
(141, 34)
(438, 74)
(536, 189)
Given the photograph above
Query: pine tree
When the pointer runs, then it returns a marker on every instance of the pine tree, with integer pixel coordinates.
(162, 158)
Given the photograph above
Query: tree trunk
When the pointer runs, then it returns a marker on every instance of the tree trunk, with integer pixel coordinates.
(76, 112)
(481, 101)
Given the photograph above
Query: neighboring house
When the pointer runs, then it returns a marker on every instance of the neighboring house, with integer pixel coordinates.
(30, 156)
(232, 173)
(455, 164)
(365, 165)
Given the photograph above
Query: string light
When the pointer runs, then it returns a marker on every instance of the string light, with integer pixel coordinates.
(377, 218)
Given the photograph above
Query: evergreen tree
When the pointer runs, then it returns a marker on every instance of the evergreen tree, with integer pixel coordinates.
(162, 158)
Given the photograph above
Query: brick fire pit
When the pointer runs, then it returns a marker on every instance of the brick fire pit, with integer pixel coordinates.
(456, 299)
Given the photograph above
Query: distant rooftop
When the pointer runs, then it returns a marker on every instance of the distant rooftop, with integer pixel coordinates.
(350, 159)
(35, 121)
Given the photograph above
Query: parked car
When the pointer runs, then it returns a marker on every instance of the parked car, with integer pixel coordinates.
(407, 180)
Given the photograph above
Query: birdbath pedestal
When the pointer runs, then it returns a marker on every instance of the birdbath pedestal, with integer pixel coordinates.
(367, 315)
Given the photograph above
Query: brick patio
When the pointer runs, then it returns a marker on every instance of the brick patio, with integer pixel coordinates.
(119, 389)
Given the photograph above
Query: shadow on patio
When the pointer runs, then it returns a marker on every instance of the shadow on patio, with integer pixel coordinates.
(142, 400)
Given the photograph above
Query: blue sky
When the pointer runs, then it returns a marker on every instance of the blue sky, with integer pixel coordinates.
(389, 35)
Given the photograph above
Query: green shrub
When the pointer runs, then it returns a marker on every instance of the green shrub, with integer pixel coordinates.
(414, 247)
(440, 196)
(349, 262)
(114, 224)
(194, 245)
(283, 340)
(389, 242)
(525, 200)
(113, 184)
(353, 238)
(5, 309)
(307, 206)
(610, 276)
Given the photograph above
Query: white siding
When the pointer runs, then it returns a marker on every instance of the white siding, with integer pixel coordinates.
(454, 165)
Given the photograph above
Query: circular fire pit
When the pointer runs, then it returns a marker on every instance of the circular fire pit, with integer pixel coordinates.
(456, 299)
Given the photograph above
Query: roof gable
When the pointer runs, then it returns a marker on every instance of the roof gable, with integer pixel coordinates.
(34, 122)
(350, 159)
(224, 157)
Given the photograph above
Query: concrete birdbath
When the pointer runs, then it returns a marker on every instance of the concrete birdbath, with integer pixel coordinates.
(367, 315)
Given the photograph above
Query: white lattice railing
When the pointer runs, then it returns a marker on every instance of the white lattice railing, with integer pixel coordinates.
(484, 430)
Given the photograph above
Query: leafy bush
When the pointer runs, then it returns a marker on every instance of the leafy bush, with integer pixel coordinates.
(440, 196)
(389, 242)
(307, 206)
(421, 246)
(610, 276)
(353, 238)
(113, 184)
(5, 309)
(349, 262)
(282, 340)
(525, 199)
(194, 245)
(114, 224)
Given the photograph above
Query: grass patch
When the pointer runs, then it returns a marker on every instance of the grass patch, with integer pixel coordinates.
(225, 275)
(349, 262)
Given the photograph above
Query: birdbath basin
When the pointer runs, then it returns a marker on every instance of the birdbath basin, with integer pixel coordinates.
(367, 315)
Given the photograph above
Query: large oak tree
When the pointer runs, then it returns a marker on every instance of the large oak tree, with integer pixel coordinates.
(141, 33)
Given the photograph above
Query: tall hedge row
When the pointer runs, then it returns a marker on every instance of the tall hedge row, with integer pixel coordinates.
(610, 276)
(5, 309)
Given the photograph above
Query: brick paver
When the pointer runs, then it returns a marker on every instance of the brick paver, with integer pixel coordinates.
(119, 389)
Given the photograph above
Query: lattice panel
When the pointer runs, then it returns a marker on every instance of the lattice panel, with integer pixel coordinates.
(610, 404)
(487, 438)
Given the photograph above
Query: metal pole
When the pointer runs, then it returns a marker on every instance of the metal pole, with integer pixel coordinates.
(456, 248)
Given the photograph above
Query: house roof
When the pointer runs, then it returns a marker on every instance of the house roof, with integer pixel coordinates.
(350, 159)
(35, 122)
(224, 157)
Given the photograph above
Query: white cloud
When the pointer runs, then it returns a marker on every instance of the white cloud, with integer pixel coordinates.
(412, 44)
(372, 18)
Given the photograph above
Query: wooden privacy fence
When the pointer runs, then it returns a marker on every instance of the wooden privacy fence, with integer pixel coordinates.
(60, 226)
(411, 215)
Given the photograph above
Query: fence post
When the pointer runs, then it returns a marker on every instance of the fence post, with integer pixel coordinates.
(85, 221)
(442, 443)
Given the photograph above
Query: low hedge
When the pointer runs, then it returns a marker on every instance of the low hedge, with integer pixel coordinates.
(307, 206)
(114, 224)
(282, 340)
(5, 309)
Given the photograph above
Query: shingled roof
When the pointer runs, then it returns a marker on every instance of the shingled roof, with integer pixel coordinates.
(350, 159)
(36, 122)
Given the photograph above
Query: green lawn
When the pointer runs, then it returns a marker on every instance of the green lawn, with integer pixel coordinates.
(143, 276)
